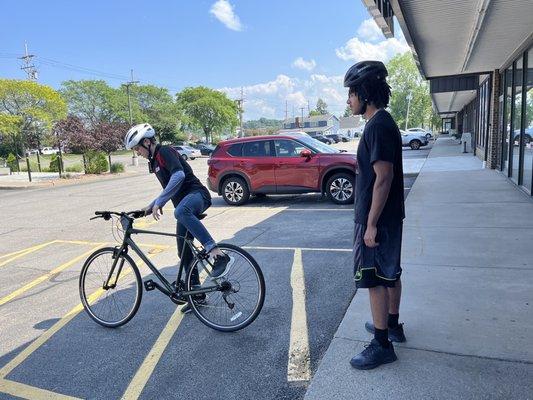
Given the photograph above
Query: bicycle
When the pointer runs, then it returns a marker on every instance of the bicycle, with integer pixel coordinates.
(116, 291)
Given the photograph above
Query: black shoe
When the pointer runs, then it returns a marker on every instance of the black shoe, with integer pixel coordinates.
(395, 334)
(373, 356)
(221, 266)
(199, 299)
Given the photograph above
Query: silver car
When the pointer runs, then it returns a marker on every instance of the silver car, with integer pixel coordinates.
(413, 140)
(188, 152)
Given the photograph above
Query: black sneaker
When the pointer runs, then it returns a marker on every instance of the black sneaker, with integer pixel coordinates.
(221, 266)
(395, 334)
(373, 356)
(199, 299)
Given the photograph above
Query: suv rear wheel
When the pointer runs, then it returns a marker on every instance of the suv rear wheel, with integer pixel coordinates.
(340, 188)
(235, 191)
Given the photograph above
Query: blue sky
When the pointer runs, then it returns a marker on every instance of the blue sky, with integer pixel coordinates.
(294, 51)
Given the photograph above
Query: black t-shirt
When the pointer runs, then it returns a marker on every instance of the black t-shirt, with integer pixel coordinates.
(381, 141)
(165, 162)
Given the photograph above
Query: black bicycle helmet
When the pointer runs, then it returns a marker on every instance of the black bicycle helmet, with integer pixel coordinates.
(363, 70)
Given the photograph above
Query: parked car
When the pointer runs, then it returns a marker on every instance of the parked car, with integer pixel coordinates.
(413, 140)
(322, 138)
(528, 136)
(343, 137)
(333, 136)
(427, 133)
(49, 150)
(205, 149)
(281, 164)
(188, 152)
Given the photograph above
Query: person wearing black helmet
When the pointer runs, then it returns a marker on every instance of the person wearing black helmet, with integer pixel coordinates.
(379, 210)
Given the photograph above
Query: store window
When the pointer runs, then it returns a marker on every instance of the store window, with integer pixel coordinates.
(507, 119)
(528, 127)
(517, 121)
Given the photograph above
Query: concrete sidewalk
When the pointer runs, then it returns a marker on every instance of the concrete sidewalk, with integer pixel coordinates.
(467, 294)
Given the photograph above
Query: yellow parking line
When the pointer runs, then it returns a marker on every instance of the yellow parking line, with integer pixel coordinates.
(81, 242)
(299, 366)
(294, 248)
(159, 246)
(45, 277)
(140, 379)
(27, 249)
(29, 392)
(25, 252)
(19, 359)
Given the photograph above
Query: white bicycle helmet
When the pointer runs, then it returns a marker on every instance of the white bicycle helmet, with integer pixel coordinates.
(136, 134)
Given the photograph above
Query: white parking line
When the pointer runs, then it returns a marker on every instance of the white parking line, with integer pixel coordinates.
(299, 366)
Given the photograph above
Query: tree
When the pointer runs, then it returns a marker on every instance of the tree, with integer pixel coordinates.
(207, 109)
(72, 134)
(321, 107)
(95, 101)
(109, 136)
(404, 79)
(347, 112)
(33, 109)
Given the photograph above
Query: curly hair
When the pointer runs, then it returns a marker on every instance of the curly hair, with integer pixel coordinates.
(373, 90)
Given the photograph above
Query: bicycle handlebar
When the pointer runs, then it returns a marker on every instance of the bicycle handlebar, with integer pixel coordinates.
(107, 214)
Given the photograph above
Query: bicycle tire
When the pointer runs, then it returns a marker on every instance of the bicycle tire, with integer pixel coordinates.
(90, 300)
(200, 308)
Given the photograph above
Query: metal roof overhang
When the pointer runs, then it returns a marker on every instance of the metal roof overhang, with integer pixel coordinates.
(458, 37)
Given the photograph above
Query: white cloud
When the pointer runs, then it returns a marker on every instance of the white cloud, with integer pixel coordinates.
(369, 31)
(223, 11)
(357, 50)
(269, 99)
(370, 44)
(303, 64)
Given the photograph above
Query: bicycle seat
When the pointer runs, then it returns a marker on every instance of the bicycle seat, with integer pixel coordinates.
(202, 216)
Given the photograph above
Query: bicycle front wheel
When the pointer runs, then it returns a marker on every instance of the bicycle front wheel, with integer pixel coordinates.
(239, 296)
(111, 296)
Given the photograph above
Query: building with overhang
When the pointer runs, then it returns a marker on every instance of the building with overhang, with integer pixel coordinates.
(478, 59)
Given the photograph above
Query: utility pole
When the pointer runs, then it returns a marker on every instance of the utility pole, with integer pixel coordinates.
(31, 72)
(302, 108)
(308, 109)
(286, 110)
(409, 97)
(135, 160)
(240, 106)
(27, 64)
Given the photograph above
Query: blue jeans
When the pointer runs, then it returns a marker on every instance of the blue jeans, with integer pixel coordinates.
(186, 213)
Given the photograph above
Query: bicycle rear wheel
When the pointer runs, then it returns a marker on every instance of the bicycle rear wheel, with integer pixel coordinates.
(240, 295)
(114, 304)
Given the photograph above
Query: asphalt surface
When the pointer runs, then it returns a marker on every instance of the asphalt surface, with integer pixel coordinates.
(84, 360)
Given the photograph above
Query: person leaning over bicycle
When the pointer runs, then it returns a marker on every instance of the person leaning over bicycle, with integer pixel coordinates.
(189, 197)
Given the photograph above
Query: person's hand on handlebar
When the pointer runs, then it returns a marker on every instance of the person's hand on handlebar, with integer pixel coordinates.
(147, 210)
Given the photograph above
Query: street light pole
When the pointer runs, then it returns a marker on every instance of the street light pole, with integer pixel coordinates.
(409, 97)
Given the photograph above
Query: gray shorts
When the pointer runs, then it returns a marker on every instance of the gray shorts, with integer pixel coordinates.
(378, 266)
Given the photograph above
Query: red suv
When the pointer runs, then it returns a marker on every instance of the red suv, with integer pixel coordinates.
(280, 164)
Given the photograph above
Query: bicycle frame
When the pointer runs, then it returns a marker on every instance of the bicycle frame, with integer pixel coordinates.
(127, 224)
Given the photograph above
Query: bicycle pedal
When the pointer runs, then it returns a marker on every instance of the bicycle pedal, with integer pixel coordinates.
(149, 285)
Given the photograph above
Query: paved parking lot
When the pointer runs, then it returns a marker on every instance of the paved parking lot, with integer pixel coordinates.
(50, 347)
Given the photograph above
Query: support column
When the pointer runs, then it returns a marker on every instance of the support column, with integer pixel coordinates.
(495, 134)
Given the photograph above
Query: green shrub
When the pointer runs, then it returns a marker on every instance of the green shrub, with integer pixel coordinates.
(12, 162)
(54, 163)
(117, 167)
(33, 167)
(96, 162)
(74, 168)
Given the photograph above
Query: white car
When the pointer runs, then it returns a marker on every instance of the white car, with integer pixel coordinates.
(421, 131)
(413, 140)
(49, 150)
(188, 152)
